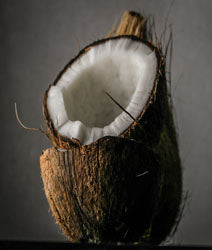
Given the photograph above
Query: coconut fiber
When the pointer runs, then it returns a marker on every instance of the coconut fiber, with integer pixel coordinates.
(125, 188)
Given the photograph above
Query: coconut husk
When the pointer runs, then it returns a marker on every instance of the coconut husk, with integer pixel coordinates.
(124, 188)
(96, 196)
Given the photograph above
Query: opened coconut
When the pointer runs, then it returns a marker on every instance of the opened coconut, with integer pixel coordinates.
(114, 172)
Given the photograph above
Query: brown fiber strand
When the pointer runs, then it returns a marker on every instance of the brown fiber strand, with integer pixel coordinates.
(28, 128)
(120, 106)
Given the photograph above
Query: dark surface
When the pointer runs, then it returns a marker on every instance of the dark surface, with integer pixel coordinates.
(84, 246)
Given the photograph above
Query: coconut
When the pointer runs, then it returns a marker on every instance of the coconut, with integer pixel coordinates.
(114, 172)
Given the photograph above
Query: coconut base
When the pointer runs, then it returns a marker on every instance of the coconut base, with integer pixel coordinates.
(97, 197)
(130, 197)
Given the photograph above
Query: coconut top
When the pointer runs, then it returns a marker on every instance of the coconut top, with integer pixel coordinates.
(78, 104)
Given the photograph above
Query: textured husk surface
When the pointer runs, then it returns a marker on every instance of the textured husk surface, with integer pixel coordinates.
(125, 188)
(96, 196)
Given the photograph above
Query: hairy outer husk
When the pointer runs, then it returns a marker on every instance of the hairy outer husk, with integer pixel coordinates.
(96, 196)
(97, 192)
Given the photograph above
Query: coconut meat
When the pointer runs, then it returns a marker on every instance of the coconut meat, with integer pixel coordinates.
(78, 104)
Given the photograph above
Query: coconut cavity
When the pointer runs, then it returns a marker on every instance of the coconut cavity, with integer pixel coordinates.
(78, 105)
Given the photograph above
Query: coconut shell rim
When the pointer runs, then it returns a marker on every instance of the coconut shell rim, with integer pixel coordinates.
(66, 142)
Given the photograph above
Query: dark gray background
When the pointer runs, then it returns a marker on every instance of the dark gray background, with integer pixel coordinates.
(37, 39)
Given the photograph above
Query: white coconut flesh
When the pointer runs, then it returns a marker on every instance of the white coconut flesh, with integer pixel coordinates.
(78, 104)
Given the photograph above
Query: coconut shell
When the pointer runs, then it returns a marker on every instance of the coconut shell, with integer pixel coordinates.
(124, 188)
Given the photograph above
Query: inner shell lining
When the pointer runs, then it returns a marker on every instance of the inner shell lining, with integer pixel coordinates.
(78, 104)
